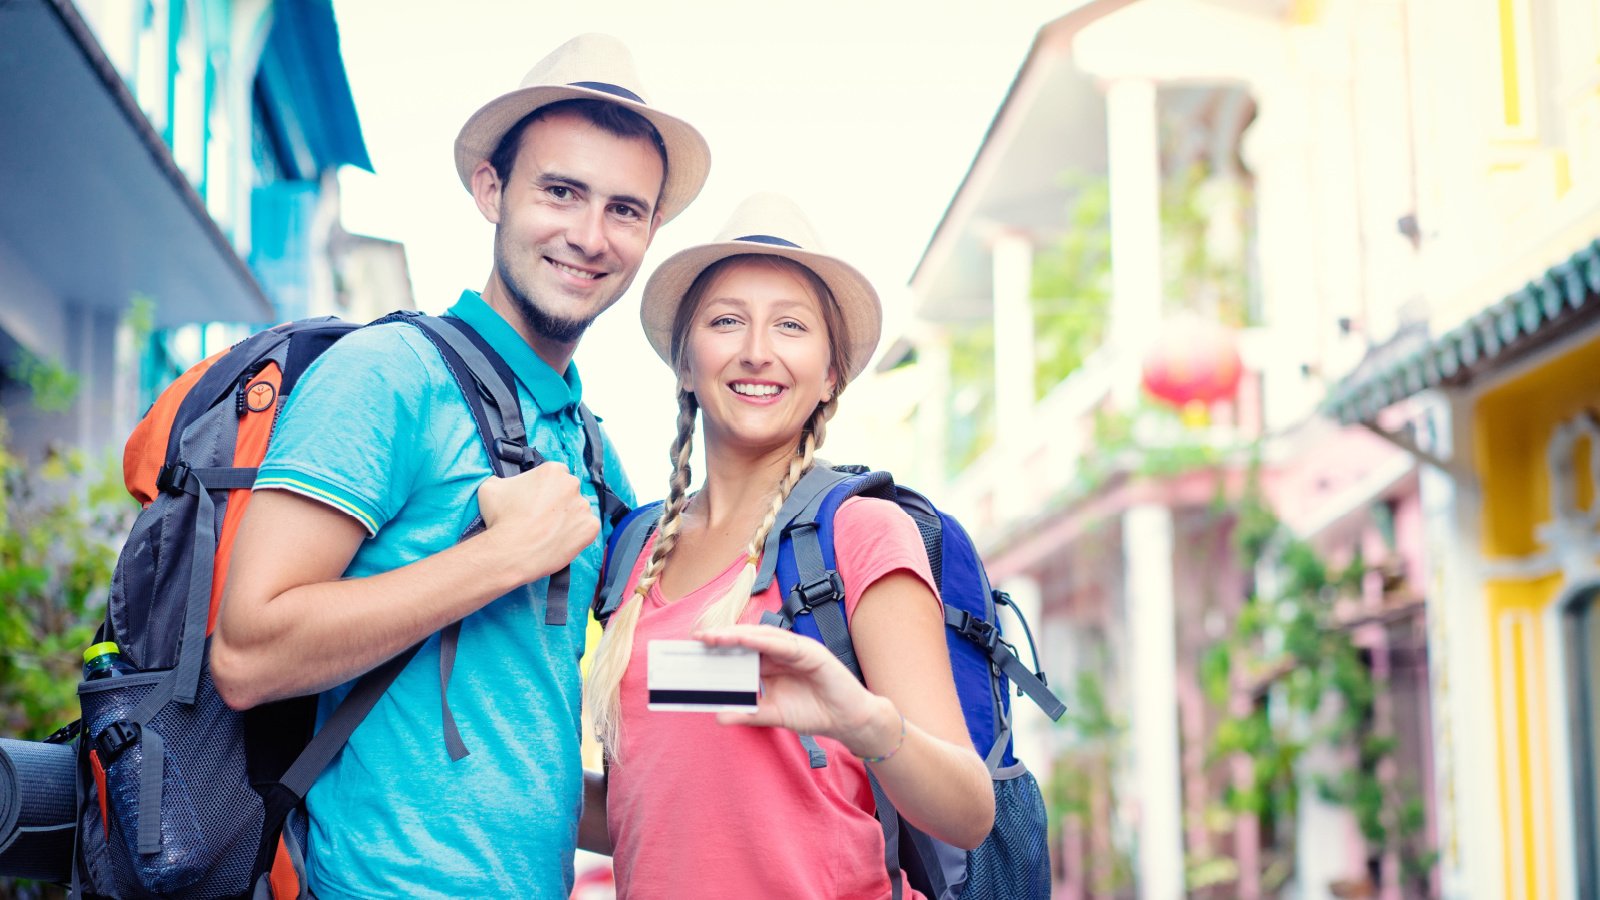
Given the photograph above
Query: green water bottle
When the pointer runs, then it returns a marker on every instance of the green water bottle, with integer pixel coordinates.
(103, 660)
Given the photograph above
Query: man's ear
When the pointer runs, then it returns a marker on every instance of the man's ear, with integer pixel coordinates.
(487, 190)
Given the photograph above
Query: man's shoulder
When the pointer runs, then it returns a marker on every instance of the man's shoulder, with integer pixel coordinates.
(393, 356)
(396, 343)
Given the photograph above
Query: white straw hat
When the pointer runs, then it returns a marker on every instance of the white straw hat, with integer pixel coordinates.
(589, 67)
(773, 225)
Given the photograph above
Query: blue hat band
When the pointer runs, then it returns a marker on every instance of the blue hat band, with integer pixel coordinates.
(769, 239)
(611, 89)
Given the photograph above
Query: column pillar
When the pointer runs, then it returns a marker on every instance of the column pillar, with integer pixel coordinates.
(1467, 794)
(1134, 159)
(933, 411)
(1148, 555)
(1013, 364)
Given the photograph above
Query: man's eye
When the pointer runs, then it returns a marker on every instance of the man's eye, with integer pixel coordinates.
(559, 191)
(625, 211)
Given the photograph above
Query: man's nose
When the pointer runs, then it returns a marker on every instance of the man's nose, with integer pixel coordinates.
(586, 231)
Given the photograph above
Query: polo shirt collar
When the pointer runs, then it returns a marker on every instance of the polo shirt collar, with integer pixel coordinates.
(551, 392)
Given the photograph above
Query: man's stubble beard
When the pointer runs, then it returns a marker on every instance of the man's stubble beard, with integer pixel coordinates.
(551, 328)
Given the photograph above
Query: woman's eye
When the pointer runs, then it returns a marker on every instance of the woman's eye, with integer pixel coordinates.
(722, 321)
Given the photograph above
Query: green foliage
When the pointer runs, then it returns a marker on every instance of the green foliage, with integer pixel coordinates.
(59, 526)
(52, 386)
(972, 380)
(1290, 649)
(1216, 669)
(1070, 294)
(1092, 735)
(140, 319)
(1149, 441)
(1203, 218)
(1071, 287)
(1201, 873)
(1089, 715)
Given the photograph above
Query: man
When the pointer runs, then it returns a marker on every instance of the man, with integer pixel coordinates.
(349, 553)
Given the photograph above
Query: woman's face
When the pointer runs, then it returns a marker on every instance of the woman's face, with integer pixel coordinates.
(757, 357)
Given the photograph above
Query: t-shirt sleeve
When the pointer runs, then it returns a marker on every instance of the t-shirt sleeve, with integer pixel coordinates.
(873, 538)
(348, 433)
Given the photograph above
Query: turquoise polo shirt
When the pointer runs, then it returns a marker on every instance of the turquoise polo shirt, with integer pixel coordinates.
(378, 429)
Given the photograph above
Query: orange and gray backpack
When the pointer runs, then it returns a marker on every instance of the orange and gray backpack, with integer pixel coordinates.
(179, 795)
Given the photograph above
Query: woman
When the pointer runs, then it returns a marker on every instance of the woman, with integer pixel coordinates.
(764, 331)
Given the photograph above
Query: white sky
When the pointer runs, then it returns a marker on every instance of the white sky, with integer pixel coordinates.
(866, 113)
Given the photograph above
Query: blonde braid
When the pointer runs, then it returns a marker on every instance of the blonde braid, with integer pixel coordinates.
(603, 690)
(677, 494)
(731, 605)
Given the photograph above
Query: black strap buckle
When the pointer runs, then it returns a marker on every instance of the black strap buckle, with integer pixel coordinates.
(812, 594)
(979, 632)
(115, 738)
(172, 477)
(521, 455)
(65, 733)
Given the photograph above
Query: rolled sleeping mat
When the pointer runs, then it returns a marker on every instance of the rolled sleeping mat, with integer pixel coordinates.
(38, 809)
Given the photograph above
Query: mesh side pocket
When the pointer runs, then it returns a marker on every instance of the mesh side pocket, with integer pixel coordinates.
(210, 815)
(1013, 863)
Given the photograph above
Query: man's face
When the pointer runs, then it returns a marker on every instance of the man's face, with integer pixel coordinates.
(573, 222)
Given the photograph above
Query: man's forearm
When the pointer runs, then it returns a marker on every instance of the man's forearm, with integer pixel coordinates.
(315, 636)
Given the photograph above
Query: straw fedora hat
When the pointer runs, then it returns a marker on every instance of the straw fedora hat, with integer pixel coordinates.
(773, 225)
(589, 67)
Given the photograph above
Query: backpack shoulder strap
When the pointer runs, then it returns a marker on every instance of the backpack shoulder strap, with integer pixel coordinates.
(612, 508)
(806, 494)
(488, 386)
(216, 383)
(289, 791)
(813, 604)
(489, 389)
(808, 577)
(622, 552)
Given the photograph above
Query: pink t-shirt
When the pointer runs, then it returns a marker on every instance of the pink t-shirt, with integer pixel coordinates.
(698, 809)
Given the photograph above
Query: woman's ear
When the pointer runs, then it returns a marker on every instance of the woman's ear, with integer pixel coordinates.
(828, 386)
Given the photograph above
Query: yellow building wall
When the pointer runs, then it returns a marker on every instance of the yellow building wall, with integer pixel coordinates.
(1512, 427)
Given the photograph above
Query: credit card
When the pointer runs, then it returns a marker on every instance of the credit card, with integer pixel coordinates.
(688, 676)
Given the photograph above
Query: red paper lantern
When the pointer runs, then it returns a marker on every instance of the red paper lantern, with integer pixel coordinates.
(1194, 360)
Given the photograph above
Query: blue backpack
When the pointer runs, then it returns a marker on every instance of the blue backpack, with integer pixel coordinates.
(1013, 863)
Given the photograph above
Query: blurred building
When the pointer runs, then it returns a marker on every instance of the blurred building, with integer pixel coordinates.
(1494, 386)
(1253, 163)
(167, 164)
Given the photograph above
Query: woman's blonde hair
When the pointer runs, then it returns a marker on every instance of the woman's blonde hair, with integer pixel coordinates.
(603, 703)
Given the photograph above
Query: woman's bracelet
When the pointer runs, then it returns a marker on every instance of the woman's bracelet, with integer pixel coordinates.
(895, 749)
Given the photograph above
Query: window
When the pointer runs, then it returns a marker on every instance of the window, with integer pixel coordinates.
(1518, 117)
(189, 82)
(150, 64)
(1582, 633)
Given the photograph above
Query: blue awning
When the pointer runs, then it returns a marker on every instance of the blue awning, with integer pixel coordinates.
(93, 209)
(1563, 298)
(302, 81)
